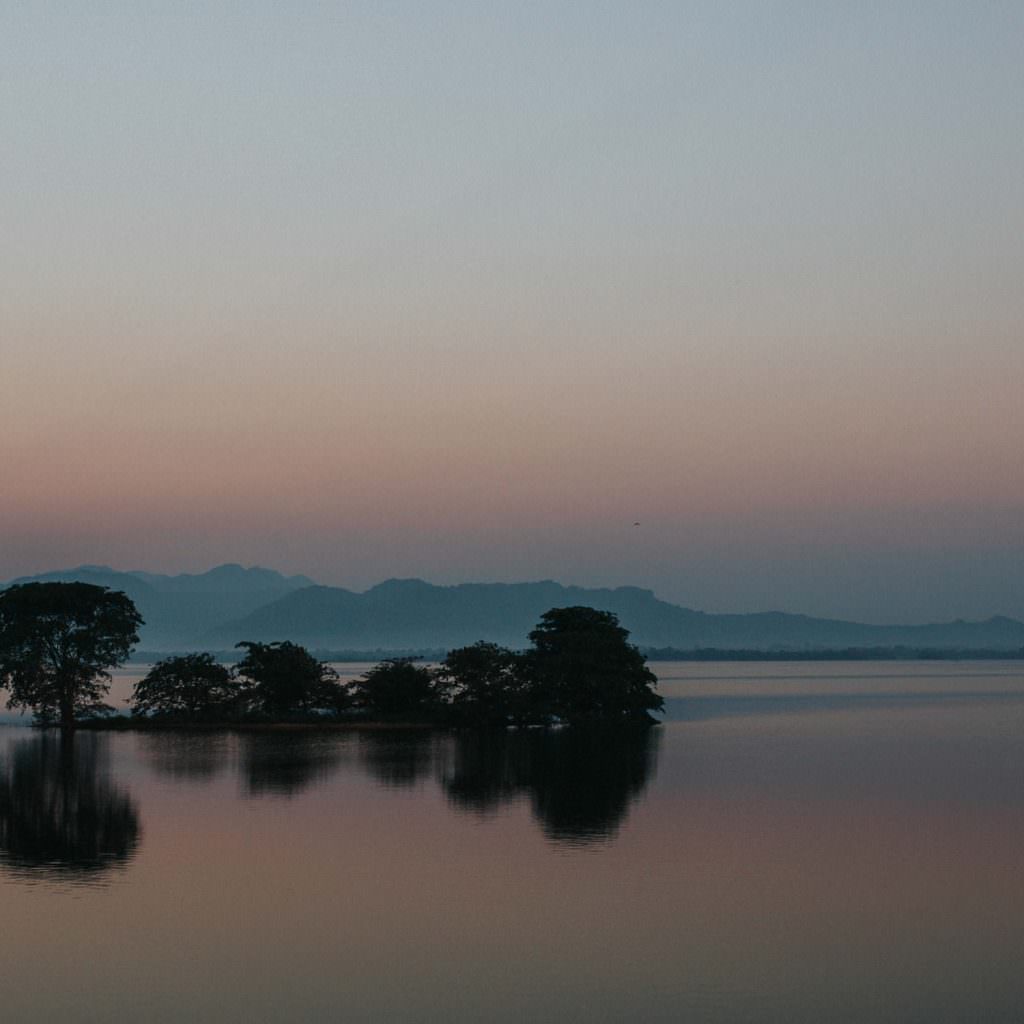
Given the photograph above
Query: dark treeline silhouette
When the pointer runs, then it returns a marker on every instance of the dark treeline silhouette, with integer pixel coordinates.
(580, 669)
(60, 816)
(59, 640)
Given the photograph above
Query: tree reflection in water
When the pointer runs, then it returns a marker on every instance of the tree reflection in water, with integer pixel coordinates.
(580, 782)
(197, 757)
(487, 770)
(60, 815)
(284, 764)
(396, 759)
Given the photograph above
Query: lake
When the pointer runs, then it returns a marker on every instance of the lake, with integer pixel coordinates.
(798, 842)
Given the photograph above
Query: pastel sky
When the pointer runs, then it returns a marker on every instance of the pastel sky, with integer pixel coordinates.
(463, 290)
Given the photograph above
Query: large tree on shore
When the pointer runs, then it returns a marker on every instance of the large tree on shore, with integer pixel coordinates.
(58, 642)
(188, 686)
(283, 679)
(582, 668)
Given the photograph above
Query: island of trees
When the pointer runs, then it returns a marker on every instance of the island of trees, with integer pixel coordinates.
(58, 642)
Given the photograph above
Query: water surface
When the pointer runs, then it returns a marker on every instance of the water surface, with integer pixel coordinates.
(798, 842)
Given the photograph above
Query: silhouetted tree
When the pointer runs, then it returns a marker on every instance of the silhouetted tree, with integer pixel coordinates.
(285, 679)
(57, 643)
(397, 688)
(483, 685)
(191, 686)
(59, 813)
(582, 668)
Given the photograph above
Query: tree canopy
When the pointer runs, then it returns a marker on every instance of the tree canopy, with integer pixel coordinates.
(397, 688)
(579, 669)
(284, 679)
(58, 642)
(190, 686)
(583, 668)
(483, 684)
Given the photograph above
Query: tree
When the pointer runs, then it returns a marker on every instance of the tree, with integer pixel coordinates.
(582, 668)
(397, 688)
(483, 684)
(191, 686)
(285, 679)
(57, 644)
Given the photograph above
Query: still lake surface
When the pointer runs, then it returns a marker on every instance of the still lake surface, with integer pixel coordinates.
(798, 842)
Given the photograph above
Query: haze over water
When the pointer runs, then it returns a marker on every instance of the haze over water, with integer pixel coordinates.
(797, 843)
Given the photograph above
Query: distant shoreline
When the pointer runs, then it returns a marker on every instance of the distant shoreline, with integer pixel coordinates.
(656, 654)
(828, 654)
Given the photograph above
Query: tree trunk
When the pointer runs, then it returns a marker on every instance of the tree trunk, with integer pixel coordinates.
(67, 711)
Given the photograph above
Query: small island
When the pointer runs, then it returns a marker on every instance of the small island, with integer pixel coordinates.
(58, 642)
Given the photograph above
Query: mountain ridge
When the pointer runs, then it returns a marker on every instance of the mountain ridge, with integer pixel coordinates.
(230, 603)
(409, 614)
(177, 609)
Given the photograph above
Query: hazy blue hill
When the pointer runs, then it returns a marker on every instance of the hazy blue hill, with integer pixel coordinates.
(178, 609)
(769, 630)
(229, 577)
(411, 613)
(216, 609)
(404, 614)
(139, 590)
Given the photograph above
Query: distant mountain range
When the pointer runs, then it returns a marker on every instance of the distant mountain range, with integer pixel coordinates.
(216, 609)
(180, 609)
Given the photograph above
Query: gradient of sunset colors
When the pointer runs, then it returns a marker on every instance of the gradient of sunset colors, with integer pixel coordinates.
(465, 290)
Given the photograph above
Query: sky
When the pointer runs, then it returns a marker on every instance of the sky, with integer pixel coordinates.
(465, 290)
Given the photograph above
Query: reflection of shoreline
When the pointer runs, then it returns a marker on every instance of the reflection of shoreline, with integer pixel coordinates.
(122, 723)
(187, 755)
(580, 782)
(60, 815)
(276, 765)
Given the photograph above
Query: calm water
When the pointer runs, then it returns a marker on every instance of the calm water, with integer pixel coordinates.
(813, 842)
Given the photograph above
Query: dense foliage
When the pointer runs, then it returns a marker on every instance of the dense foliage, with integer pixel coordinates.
(284, 680)
(484, 685)
(397, 688)
(583, 668)
(191, 686)
(58, 642)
